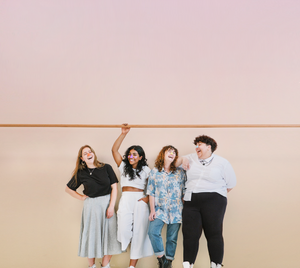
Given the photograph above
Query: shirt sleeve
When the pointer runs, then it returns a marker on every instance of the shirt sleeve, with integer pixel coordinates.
(151, 184)
(72, 184)
(183, 173)
(188, 157)
(111, 174)
(121, 167)
(229, 176)
(147, 171)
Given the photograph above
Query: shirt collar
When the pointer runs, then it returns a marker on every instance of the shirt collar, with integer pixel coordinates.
(163, 170)
(207, 160)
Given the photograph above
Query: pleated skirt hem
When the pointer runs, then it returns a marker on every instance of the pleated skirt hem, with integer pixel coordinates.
(98, 235)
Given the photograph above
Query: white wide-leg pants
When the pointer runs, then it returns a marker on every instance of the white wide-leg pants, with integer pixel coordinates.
(133, 225)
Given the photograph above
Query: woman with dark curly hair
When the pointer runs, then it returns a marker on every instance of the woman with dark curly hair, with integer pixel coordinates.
(165, 190)
(133, 209)
(99, 224)
(209, 178)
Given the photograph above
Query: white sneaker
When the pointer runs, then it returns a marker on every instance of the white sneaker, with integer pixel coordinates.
(186, 264)
(94, 266)
(213, 265)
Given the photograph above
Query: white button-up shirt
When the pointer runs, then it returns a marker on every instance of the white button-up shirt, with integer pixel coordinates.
(216, 175)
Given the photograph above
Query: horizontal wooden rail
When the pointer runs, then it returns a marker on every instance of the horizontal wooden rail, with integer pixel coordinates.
(156, 126)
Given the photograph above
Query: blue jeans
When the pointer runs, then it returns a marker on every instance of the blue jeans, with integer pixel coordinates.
(154, 233)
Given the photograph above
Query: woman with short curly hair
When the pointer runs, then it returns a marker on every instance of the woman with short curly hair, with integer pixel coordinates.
(209, 178)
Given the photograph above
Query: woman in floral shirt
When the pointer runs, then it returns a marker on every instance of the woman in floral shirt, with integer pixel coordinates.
(165, 190)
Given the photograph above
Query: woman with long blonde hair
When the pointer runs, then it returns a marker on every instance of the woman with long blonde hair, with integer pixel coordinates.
(98, 227)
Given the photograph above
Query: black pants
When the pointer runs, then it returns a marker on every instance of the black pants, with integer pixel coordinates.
(204, 211)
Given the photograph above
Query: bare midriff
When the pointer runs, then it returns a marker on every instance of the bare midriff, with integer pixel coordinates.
(131, 189)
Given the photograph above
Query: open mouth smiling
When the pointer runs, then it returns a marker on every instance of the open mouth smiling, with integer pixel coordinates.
(171, 157)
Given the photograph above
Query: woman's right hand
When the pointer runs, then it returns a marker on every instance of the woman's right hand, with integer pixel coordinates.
(125, 129)
(75, 194)
(152, 216)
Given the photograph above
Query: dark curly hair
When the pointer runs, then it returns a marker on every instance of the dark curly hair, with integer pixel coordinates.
(160, 159)
(128, 170)
(207, 140)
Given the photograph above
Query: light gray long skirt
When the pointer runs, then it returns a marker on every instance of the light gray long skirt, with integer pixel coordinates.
(98, 235)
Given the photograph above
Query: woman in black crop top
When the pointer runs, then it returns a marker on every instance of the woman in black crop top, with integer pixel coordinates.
(98, 228)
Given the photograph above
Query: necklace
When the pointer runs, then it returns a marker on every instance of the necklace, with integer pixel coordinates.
(206, 163)
(91, 171)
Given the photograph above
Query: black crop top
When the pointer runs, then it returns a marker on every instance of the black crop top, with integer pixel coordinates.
(97, 184)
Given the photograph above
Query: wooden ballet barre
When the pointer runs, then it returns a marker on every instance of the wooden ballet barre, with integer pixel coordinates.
(155, 126)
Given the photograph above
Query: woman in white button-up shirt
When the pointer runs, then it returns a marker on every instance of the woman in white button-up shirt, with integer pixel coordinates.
(209, 178)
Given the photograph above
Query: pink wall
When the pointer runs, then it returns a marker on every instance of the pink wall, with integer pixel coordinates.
(203, 57)
(149, 62)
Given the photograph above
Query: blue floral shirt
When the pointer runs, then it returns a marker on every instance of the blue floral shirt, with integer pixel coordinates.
(168, 190)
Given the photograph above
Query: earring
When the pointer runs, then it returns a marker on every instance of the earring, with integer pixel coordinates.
(82, 163)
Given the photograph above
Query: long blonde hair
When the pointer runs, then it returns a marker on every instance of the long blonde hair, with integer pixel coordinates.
(80, 165)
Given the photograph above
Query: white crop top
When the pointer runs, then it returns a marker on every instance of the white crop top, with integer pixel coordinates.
(138, 182)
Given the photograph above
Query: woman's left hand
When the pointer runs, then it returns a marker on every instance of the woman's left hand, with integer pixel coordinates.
(145, 199)
(109, 212)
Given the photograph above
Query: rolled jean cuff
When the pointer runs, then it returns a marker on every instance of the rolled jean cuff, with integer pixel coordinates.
(159, 253)
(170, 258)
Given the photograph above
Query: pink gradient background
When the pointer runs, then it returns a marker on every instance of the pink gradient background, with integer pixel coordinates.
(149, 62)
(203, 57)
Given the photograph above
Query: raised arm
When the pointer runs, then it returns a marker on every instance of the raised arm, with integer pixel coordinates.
(75, 194)
(115, 149)
(182, 161)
